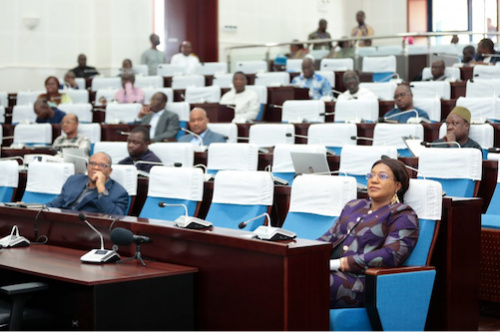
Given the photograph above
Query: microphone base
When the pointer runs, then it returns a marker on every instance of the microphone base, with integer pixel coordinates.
(100, 256)
(192, 223)
(273, 234)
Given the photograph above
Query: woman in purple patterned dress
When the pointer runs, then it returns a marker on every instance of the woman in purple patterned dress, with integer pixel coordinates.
(375, 232)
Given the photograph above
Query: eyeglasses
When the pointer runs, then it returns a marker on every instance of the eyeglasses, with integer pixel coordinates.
(402, 94)
(98, 165)
(381, 176)
(454, 123)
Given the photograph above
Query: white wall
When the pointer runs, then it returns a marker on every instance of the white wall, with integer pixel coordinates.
(107, 31)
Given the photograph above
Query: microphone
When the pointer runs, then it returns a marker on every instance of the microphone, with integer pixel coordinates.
(484, 55)
(385, 157)
(186, 221)
(275, 106)
(202, 145)
(244, 224)
(356, 138)
(417, 119)
(327, 113)
(429, 144)
(124, 237)
(337, 91)
(123, 133)
(444, 55)
(98, 255)
(303, 136)
(390, 77)
(269, 233)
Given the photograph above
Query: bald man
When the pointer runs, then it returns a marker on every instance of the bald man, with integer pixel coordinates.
(403, 97)
(319, 87)
(437, 70)
(186, 58)
(198, 124)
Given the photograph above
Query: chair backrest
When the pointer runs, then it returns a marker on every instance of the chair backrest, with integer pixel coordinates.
(319, 54)
(333, 135)
(212, 68)
(33, 134)
(77, 96)
(150, 82)
(2, 114)
(116, 150)
(205, 94)
(389, 50)
(336, 64)
(481, 109)
(149, 92)
(328, 75)
(444, 48)
(141, 70)
(173, 185)
(229, 130)
(452, 73)
(486, 72)
(82, 111)
(384, 65)
(432, 106)
(122, 113)
(4, 99)
(367, 51)
(170, 70)
(239, 196)
(357, 160)
(356, 110)
(425, 197)
(28, 97)
(90, 130)
(126, 175)
(483, 134)
(457, 170)
(184, 81)
(223, 80)
(23, 114)
(282, 160)
(181, 109)
(303, 110)
(232, 156)
(494, 207)
(316, 201)
(108, 94)
(294, 65)
(272, 79)
(9, 179)
(80, 81)
(383, 90)
(264, 135)
(417, 49)
(45, 181)
(99, 83)
(489, 88)
(251, 67)
(171, 153)
(440, 89)
(261, 91)
(392, 134)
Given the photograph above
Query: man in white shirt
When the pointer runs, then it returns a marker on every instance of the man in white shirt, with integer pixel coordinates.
(152, 57)
(186, 58)
(164, 124)
(351, 82)
(246, 102)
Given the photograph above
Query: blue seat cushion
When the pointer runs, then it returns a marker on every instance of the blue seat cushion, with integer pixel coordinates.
(230, 215)
(494, 207)
(153, 211)
(285, 176)
(42, 198)
(180, 133)
(456, 187)
(349, 319)
(6, 194)
(308, 225)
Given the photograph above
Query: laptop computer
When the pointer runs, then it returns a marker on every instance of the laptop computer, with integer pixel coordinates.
(310, 162)
(76, 157)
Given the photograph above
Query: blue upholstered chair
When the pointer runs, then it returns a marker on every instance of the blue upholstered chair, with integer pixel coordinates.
(126, 175)
(398, 298)
(333, 135)
(315, 203)
(282, 161)
(491, 219)
(239, 196)
(458, 170)
(173, 185)
(382, 67)
(483, 134)
(357, 160)
(391, 134)
(9, 179)
(45, 181)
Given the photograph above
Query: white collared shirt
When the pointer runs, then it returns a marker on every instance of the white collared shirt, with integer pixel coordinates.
(154, 122)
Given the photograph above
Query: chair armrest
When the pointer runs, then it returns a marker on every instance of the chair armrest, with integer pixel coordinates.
(376, 271)
(28, 287)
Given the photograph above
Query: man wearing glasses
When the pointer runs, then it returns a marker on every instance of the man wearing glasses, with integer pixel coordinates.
(404, 102)
(95, 192)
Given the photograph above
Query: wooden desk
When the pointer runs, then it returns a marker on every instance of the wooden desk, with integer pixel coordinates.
(105, 297)
(242, 283)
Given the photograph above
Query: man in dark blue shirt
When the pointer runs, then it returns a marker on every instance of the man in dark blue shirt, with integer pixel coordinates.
(405, 109)
(46, 114)
(139, 154)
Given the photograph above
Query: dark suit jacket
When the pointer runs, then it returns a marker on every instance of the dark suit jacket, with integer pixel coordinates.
(210, 137)
(115, 203)
(167, 127)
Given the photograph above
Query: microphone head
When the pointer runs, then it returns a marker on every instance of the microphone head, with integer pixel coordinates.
(177, 164)
(354, 138)
(288, 135)
(242, 225)
(423, 143)
(121, 236)
(82, 216)
(161, 204)
(381, 120)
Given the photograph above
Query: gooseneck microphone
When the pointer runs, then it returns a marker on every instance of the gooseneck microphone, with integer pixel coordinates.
(195, 135)
(123, 133)
(361, 138)
(186, 221)
(98, 255)
(244, 224)
(418, 119)
(429, 144)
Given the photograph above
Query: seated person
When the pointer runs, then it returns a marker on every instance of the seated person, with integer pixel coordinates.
(457, 130)
(72, 139)
(83, 70)
(126, 66)
(198, 124)
(95, 192)
(129, 94)
(52, 96)
(404, 102)
(437, 70)
(319, 87)
(486, 53)
(351, 82)
(69, 81)
(346, 50)
(468, 55)
(139, 154)
(246, 101)
(46, 114)
(186, 58)
(164, 124)
(297, 51)
(377, 232)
